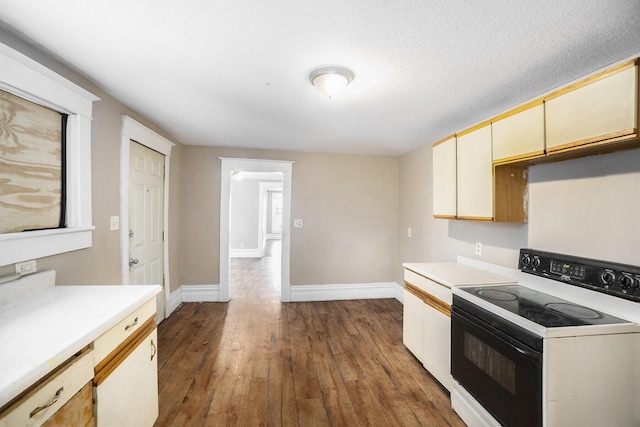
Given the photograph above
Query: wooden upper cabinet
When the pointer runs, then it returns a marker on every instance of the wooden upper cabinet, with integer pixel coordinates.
(601, 109)
(475, 173)
(444, 178)
(519, 134)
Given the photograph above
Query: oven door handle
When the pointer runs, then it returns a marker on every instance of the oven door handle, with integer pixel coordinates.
(497, 334)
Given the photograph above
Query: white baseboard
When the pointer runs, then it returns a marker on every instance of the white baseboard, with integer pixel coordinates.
(200, 293)
(399, 292)
(343, 292)
(244, 253)
(210, 293)
(175, 299)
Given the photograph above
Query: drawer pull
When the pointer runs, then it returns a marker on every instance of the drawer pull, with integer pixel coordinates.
(155, 350)
(42, 408)
(135, 322)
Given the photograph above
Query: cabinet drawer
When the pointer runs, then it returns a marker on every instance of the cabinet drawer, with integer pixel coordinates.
(111, 339)
(63, 384)
(432, 288)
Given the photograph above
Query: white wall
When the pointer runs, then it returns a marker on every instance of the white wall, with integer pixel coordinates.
(588, 207)
(244, 214)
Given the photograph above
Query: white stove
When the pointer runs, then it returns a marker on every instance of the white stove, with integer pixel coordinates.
(559, 348)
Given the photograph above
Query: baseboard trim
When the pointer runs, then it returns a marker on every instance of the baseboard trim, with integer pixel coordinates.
(175, 299)
(399, 292)
(200, 293)
(244, 253)
(302, 293)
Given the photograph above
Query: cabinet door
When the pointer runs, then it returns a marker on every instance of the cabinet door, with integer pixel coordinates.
(601, 110)
(129, 395)
(413, 325)
(444, 178)
(437, 345)
(519, 135)
(475, 175)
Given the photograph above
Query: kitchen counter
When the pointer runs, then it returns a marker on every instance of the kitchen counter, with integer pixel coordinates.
(452, 274)
(41, 331)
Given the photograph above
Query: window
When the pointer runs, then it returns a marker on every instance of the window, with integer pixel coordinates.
(32, 143)
(30, 81)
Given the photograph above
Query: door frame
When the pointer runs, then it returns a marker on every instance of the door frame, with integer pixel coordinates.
(135, 131)
(228, 165)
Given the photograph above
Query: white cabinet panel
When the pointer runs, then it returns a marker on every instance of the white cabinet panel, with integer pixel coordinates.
(413, 325)
(444, 178)
(519, 135)
(475, 174)
(437, 345)
(129, 395)
(603, 109)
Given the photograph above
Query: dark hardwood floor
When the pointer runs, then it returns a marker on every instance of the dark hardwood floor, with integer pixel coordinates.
(258, 362)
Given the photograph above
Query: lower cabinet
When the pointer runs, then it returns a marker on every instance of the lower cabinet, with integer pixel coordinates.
(62, 399)
(413, 324)
(437, 338)
(126, 387)
(426, 329)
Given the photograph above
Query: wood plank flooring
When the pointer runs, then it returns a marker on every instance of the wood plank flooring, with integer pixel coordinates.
(258, 362)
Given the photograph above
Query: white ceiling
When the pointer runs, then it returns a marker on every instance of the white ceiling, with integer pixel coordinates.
(235, 72)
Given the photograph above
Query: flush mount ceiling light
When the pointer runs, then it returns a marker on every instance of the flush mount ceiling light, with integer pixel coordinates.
(330, 81)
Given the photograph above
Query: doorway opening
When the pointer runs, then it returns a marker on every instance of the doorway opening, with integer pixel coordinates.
(255, 235)
(256, 239)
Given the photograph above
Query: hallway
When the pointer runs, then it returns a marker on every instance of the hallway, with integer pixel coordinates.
(257, 278)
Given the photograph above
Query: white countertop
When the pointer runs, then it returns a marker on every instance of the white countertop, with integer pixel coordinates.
(41, 331)
(452, 274)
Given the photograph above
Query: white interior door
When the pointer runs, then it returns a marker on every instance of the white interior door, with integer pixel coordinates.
(146, 219)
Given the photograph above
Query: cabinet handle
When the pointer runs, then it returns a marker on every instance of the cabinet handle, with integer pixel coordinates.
(135, 322)
(155, 350)
(42, 408)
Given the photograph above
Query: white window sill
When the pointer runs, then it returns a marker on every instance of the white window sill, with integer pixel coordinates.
(16, 247)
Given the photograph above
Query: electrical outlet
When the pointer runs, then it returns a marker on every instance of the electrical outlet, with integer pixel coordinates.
(478, 248)
(409, 232)
(115, 223)
(297, 223)
(26, 267)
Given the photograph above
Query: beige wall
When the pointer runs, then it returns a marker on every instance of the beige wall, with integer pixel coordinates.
(348, 205)
(586, 207)
(100, 264)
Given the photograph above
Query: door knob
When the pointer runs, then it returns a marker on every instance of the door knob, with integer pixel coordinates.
(130, 233)
(132, 261)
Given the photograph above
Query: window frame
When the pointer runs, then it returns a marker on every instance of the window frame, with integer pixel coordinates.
(28, 79)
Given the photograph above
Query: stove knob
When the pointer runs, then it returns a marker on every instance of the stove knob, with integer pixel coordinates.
(536, 262)
(526, 259)
(626, 281)
(608, 278)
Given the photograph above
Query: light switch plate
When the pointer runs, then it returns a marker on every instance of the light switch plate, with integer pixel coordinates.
(115, 223)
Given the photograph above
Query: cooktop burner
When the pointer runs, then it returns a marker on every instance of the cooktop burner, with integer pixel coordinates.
(543, 309)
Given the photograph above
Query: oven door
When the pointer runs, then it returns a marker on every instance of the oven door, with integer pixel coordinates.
(503, 374)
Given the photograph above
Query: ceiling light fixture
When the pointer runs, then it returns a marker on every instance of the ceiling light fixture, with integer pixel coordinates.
(330, 81)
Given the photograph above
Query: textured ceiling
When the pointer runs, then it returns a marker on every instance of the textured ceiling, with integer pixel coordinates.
(235, 72)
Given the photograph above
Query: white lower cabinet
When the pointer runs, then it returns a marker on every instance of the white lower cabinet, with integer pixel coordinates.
(49, 402)
(426, 329)
(127, 393)
(437, 343)
(413, 325)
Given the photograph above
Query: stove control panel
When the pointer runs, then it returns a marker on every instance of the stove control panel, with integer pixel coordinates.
(615, 279)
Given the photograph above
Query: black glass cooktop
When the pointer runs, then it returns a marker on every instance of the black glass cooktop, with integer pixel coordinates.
(541, 308)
